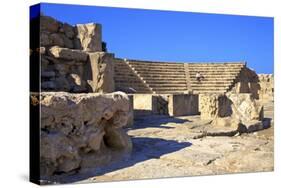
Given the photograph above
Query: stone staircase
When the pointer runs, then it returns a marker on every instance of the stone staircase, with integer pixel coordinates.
(161, 77)
(217, 77)
(166, 77)
(126, 78)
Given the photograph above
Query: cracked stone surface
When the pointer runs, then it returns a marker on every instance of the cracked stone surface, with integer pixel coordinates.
(166, 147)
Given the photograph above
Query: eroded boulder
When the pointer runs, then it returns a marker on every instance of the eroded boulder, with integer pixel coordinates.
(231, 113)
(82, 130)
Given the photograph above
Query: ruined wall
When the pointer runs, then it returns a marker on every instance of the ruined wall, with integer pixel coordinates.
(183, 104)
(247, 82)
(166, 104)
(147, 104)
(72, 59)
(81, 131)
(213, 105)
(236, 111)
(87, 37)
(266, 82)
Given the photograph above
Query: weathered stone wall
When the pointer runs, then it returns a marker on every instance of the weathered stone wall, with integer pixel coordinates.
(182, 104)
(62, 69)
(87, 37)
(102, 66)
(81, 131)
(166, 104)
(72, 59)
(147, 104)
(266, 82)
(210, 105)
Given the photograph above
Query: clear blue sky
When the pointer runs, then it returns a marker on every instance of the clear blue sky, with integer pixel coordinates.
(177, 36)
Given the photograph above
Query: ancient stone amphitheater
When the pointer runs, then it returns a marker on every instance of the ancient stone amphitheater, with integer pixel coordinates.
(83, 112)
(168, 77)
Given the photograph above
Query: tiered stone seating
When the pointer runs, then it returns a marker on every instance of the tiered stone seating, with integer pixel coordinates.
(161, 77)
(217, 77)
(164, 77)
(125, 78)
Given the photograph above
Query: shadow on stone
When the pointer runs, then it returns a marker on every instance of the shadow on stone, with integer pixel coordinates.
(156, 121)
(144, 148)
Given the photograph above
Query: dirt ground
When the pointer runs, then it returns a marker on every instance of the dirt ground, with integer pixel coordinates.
(172, 147)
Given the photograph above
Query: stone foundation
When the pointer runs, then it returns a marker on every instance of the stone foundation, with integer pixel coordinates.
(72, 58)
(147, 104)
(172, 104)
(80, 131)
(182, 104)
(213, 105)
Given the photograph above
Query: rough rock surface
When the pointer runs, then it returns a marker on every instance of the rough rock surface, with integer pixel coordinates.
(102, 72)
(168, 143)
(231, 113)
(81, 131)
(213, 105)
(90, 37)
(68, 54)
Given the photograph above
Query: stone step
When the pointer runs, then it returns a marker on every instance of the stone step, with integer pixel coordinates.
(130, 83)
(210, 83)
(218, 71)
(169, 88)
(215, 92)
(166, 85)
(213, 77)
(166, 82)
(157, 67)
(214, 64)
(138, 88)
(161, 72)
(214, 68)
(207, 85)
(168, 77)
(166, 65)
(171, 92)
(209, 89)
(193, 74)
(158, 70)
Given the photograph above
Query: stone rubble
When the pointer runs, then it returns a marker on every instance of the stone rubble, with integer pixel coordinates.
(80, 131)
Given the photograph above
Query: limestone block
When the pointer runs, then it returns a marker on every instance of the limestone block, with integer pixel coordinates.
(182, 104)
(246, 107)
(68, 54)
(90, 37)
(102, 71)
(208, 105)
(82, 130)
(147, 104)
(246, 114)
